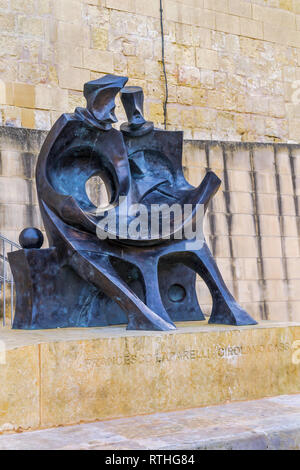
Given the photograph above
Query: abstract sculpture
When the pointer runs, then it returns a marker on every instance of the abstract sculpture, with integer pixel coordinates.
(94, 273)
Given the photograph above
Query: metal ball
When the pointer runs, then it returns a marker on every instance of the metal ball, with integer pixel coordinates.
(31, 238)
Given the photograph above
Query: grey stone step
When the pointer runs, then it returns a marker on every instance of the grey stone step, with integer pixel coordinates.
(270, 423)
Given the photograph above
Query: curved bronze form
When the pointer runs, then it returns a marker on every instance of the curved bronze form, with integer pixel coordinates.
(85, 280)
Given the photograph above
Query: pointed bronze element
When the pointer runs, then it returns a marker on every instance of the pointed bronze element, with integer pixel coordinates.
(132, 98)
(100, 96)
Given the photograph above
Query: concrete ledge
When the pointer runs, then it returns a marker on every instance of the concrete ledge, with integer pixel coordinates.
(67, 376)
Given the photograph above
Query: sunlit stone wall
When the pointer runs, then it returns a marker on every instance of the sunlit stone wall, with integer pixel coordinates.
(233, 66)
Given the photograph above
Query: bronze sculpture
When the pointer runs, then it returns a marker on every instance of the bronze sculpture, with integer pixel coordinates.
(95, 274)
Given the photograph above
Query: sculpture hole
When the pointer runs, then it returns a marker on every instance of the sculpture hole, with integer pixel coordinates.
(204, 296)
(97, 192)
(176, 293)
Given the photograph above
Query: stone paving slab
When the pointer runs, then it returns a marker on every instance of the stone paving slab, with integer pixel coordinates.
(270, 423)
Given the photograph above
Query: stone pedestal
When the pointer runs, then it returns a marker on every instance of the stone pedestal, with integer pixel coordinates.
(67, 376)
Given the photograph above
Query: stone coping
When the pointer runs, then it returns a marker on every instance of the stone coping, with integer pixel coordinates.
(20, 338)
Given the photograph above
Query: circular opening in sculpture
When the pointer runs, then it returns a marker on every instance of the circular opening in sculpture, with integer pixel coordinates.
(97, 192)
(176, 293)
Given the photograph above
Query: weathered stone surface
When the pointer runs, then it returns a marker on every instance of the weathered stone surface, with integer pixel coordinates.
(19, 391)
(238, 59)
(76, 375)
(267, 424)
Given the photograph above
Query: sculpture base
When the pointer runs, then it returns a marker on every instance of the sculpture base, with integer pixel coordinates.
(64, 376)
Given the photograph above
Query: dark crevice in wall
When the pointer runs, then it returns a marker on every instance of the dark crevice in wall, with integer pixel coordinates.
(228, 216)
(28, 172)
(211, 215)
(295, 197)
(263, 307)
(281, 226)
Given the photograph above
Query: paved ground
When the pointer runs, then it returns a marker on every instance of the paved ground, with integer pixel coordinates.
(271, 423)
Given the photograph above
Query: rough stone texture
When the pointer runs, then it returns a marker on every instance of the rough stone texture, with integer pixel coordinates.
(232, 65)
(252, 225)
(79, 375)
(268, 424)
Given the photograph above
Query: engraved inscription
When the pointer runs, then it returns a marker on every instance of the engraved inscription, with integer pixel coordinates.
(216, 351)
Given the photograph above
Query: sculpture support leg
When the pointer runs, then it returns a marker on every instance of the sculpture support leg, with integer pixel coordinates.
(149, 270)
(97, 270)
(225, 309)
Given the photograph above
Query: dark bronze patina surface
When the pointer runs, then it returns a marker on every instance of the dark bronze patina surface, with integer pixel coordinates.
(83, 280)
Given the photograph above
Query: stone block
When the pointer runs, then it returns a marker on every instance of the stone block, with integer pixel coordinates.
(28, 118)
(291, 247)
(217, 5)
(294, 289)
(265, 183)
(189, 76)
(275, 290)
(286, 184)
(267, 204)
(275, 34)
(44, 7)
(239, 8)
(269, 225)
(278, 311)
(28, 7)
(31, 26)
(207, 59)
(7, 22)
(288, 205)
(271, 247)
(24, 95)
(14, 190)
(227, 23)
(239, 181)
(238, 159)
(98, 61)
(275, 16)
(250, 268)
(125, 5)
(290, 228)
(273, 268)
(42, 120)
(73, 78)
(68, 10)
(146, 8)
(293, 268)
(249, 291)
(240, 203)
(251, 28)
(243, 245)
(283, 163)
(136, 67)
(19, 393)
(204, 18)
(242, 224)
(73, 33)
(85, 375)
(221, 246)
(263, 159)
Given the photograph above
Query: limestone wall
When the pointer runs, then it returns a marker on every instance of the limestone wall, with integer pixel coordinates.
(252, 225)
(233, 66)
(253, 222)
